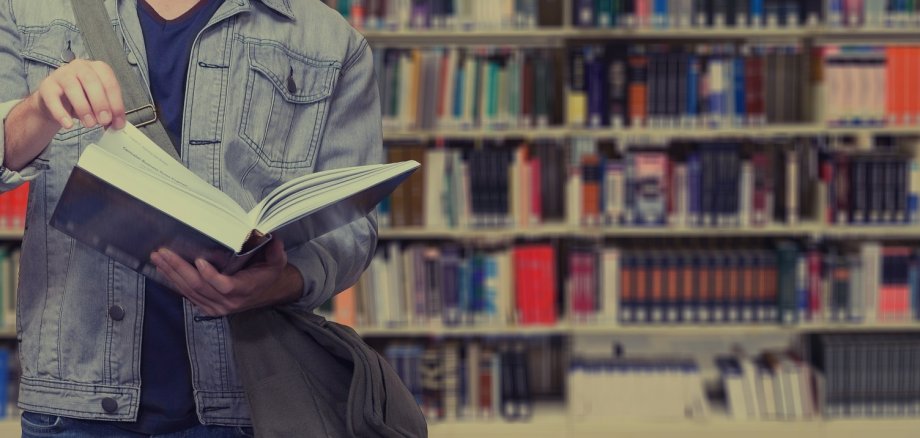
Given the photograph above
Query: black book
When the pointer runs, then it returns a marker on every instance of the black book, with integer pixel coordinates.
(618, 112)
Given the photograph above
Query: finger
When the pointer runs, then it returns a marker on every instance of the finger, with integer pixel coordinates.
(180, 285)
(193, 279)
(50, 95)
(73, 89)
(222, 283)
(112, 91)
(96, 95)
(164, 268)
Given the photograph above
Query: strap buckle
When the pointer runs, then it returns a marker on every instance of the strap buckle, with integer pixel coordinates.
(143, 121)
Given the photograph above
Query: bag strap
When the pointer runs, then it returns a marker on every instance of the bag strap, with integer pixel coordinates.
(103, 44)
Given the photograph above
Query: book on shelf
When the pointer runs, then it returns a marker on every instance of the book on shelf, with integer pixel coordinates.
(458, 15)
(658, 389)
(127, 198)
(772, 386)
(477, 379)
(866, 375)
(783, 283)
(13, 206)
(871, 85)
(685, 86)
(468, 87)
(725, 183)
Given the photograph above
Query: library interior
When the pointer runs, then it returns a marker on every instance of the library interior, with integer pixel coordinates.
(644, 218)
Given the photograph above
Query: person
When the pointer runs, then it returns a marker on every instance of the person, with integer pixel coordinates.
(254, 93)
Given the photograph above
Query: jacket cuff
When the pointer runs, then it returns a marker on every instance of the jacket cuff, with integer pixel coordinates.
(10, 179)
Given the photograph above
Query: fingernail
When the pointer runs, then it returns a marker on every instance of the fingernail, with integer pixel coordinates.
(105, 117)
(199, 263)
(66, 122)
(119, 122)
(89, 121)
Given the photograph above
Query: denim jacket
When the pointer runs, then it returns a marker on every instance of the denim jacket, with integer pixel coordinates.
(246, 130)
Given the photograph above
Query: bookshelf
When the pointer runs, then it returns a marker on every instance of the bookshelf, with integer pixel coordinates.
(560, 31)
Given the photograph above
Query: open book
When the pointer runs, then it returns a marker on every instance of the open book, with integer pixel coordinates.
(127, 198)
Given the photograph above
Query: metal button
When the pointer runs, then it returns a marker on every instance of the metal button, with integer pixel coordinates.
(117, 312)
(132, 59)
(109, 405)
(67, 54)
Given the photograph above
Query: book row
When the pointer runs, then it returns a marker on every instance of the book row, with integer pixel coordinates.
(465, 88)
(465, 15)
(541, 284)
(478, 379)
(830, 376)
(871, 85)
(708, 184)
(624, 388)
(677, 14)
(692, 86)
(771, 386)
(868, 375)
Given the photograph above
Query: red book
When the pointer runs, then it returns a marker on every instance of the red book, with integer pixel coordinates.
(539, 292)
(815, 306)
(894, 291)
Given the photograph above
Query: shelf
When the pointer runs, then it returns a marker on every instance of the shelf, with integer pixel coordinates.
(733, 330)
(557, 36)
(11, 234)
(553, 422)
(540, 37)
(461, 331)
(907, 231)
(555, 133)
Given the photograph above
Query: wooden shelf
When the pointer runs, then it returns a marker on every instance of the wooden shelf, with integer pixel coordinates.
(906, 231)
(557, 36)
(552, 421)
(568, 329)
(555, 133)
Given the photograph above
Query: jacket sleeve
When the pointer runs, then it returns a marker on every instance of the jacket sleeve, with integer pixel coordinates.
(353, 136)
(13, 88)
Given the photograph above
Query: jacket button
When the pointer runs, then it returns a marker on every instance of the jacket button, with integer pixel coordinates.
(117, 312)
(109, 405)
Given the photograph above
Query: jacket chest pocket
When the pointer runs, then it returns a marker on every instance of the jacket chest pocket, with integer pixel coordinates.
(285, 107)
(45, 49)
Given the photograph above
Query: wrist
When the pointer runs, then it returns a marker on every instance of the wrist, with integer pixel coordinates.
(289, 285)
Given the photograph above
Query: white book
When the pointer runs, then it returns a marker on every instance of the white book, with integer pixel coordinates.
(435, 169)
(610, 286)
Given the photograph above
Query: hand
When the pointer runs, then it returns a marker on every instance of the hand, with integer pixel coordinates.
(84, 90)
(260, 285)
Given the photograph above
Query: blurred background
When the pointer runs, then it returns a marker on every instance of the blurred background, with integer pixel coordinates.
(649, 217)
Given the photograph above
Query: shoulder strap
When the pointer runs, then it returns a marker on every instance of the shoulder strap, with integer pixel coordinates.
(103, 45)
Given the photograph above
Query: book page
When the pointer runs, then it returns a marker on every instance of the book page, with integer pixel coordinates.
(147, 173)
(136, 149)
(301, 203)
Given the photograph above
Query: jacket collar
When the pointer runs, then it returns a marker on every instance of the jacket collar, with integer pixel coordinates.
(280, 6)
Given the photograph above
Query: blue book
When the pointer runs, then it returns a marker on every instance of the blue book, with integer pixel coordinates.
(450, 286)
(465, 288)
(628, 291)
(660, 14)
(584, 13)
(693, 80)
(693, 178)
(756, 13)
(787, 262)
(740, 95)
(490, 288)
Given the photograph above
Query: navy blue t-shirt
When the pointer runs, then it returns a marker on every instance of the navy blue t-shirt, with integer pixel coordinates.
(167, 403)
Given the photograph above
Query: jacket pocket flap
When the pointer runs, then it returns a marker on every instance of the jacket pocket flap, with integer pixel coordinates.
(297, 78)
(50, 45)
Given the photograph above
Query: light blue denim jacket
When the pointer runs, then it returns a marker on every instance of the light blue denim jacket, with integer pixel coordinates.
(245, 131)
